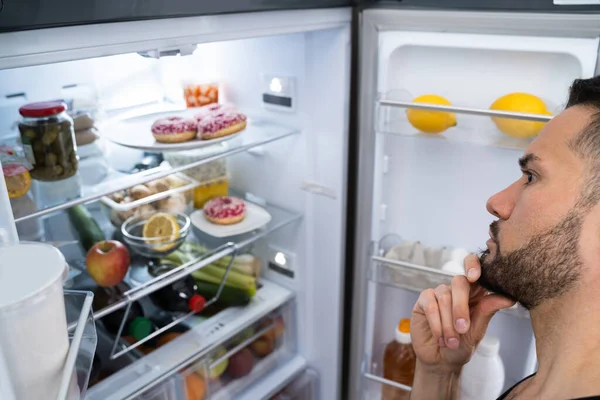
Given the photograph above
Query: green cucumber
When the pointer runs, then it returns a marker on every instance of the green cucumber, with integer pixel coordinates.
(230, 296)
(86, 226)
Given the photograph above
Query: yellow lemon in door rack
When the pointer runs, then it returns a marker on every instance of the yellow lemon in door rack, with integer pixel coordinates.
(161, 228)
(524, 103)
(431, 121)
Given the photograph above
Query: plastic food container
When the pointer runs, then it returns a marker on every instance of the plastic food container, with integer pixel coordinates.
(48, 140)
(200, 94)
(33, 324)
(167, 196)
(209, 190)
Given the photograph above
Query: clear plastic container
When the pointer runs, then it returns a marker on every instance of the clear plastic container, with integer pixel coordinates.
(48, 140)
(244, 359)
(31, 298)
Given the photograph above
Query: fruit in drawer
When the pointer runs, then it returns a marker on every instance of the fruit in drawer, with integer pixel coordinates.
(524, 103)
(196, 387)
(216, 371)
(267, 342)
(240, 364)
(107, 262)
(431, 121)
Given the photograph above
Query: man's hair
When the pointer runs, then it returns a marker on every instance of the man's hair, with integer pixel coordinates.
(586, 93)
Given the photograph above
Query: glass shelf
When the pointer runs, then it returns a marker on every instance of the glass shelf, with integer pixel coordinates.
(474, 125)
(143, 283)
(73, 191)
(417, 278)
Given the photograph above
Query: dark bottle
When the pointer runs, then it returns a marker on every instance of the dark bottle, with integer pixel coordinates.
(136, 324)
(179, 296)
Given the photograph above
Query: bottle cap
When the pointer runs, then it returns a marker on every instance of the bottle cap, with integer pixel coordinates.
(197, 303)
(489, 346)
(140, 327)
(43, 109)
(403, 331)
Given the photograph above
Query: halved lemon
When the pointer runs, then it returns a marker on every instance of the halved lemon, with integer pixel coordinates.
(161, 228)
(18, 185)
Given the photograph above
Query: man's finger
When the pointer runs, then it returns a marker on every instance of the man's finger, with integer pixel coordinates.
(443, 294)
(472, 268)
(460, 303)
(429, 306)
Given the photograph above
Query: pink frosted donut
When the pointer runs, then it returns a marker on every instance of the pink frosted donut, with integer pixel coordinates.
(225, 210)
(208, 109)
(174, 129)
(221, 123)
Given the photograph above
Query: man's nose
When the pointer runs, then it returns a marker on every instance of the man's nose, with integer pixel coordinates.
(502, 203)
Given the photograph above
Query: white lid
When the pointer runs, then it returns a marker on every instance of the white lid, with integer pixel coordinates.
(26, 269)
(402, 337)
(489, 346)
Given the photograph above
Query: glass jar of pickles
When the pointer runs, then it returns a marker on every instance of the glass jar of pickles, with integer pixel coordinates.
(48, 140)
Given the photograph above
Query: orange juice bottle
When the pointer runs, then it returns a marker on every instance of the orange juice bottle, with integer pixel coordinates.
(399, 361)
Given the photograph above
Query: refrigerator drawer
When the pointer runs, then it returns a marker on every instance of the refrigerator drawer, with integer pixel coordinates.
(305, 387)
(244, 360)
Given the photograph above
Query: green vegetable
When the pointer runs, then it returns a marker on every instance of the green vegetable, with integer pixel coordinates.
(213, 274)
(246, 264)
(86, 226)
(229, 297)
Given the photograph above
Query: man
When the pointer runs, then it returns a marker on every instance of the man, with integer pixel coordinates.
(543, 252)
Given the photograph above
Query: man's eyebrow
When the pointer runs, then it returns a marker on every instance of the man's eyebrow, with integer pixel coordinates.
(526, 159)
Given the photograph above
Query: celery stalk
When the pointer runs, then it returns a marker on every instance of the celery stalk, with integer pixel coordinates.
(213, 274)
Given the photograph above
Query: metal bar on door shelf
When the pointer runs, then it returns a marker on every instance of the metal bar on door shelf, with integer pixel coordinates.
(386, 381)
(183, 270)
(146, 176)
(465, 110)
(412, 266)
(168, 326)
(74, 347)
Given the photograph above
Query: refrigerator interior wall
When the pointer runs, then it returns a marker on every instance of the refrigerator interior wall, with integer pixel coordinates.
(433, 188)
(290, 172)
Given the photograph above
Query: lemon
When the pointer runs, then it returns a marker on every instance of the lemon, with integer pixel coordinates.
(431, 121)
(161, 228)
(519, 102)
(18, 185)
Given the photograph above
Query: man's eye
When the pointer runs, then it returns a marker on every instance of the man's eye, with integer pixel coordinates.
(530, 177)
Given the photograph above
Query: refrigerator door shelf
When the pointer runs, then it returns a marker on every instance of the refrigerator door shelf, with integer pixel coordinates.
(474, 125)
(416, 278)
(195, 346)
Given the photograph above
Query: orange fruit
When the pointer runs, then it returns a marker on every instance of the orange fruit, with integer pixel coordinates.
(195, 387)
(161, 228)
(18, 185)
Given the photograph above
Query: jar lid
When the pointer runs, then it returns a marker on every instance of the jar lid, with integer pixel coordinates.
(43, 108)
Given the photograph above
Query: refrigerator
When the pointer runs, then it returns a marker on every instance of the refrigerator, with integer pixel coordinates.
(328, 152)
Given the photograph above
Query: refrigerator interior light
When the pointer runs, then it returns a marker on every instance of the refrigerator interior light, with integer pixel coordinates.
(278, 93)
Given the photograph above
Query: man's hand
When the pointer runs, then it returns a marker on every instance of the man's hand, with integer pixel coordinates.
(447, 324)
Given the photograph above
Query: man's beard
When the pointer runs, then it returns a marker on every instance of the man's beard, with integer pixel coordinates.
(548, 266)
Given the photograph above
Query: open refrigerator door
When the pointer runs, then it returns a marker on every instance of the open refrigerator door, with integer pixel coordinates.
(259, 331)
(430, 177)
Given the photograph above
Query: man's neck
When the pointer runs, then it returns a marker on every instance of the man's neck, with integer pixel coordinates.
(566, 330)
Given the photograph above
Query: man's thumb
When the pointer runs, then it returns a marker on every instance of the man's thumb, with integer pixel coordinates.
(483, 312)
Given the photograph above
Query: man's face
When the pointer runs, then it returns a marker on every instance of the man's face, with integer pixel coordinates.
(533, 251)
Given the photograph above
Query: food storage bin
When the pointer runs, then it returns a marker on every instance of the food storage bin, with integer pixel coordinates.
(209, 190)
(171, 194)
(244, 359)
(48, 140)
(200, 94)
(304, 387)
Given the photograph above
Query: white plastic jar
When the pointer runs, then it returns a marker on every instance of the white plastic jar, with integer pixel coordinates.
(483, 377)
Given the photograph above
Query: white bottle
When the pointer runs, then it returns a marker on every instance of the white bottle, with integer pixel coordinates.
(483, 377)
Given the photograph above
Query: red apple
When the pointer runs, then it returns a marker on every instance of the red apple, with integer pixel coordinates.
(107, 262)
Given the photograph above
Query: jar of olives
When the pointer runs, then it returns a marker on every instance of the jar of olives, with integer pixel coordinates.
(48, 140)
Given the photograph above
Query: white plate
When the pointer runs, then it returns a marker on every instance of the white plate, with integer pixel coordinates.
(256, 217)
(136, 133)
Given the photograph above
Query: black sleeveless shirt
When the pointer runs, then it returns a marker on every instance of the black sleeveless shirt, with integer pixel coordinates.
(524, 379)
